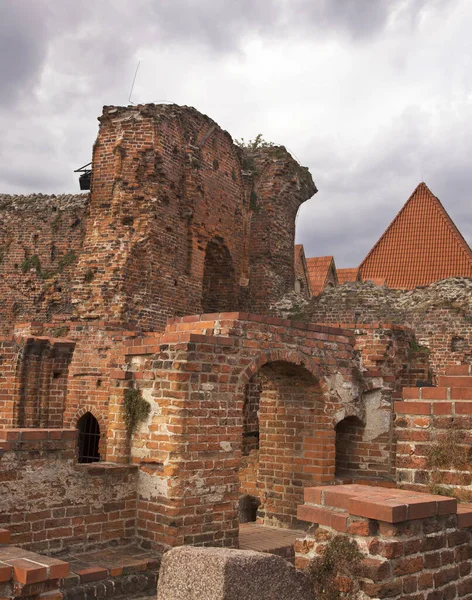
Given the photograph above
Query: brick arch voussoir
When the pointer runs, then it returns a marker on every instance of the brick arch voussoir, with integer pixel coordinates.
(348, 411)
(97, 414)
(289, 356)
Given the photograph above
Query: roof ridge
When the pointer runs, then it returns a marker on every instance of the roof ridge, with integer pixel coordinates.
(393, 221)
(422, 215)
(452, 226)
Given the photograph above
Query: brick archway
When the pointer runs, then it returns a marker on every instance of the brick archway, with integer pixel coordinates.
(197, 452)
(289, 356)
(281, 452)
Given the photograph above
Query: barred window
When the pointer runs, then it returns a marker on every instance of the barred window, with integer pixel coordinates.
(89, 439)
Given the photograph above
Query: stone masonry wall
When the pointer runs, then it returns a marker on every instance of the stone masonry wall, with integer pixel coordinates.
(50, 503)
(440, 315)
(40, 241)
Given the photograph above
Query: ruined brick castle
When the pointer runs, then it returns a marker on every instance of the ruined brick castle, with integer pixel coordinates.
(147, 383)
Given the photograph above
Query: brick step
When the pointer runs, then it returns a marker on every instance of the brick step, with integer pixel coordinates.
(25, 574)
(115, 572)
(455, 381)
(459, 370)
(272, 540)
(139, 584)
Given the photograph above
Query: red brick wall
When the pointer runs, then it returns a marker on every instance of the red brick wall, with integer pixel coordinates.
(171, 211)
(421, 552)
(438, 314)
(291, 415)
(251, 415)
(432, 427)
(279, 187)
(174, 207)
(352, 452)
(193, 377)
(55, 504)
(34, 374)
(9, 351)
(40, 240)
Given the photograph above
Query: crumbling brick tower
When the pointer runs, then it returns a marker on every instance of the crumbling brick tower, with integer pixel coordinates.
(182, 221)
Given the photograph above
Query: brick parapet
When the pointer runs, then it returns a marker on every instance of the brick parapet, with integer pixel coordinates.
(413, 545)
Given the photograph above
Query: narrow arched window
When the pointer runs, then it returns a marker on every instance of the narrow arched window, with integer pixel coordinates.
(89, 439)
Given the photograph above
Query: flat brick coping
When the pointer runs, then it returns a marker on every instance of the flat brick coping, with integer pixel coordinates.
(334, 506)
(114, 562)
(26, 567)
(192, 321)
(460, 370)
(102, 468)
(30, 434)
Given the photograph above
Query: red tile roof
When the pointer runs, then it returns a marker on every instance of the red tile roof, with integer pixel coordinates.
(318, 271)
(348, 275)
(420, 246)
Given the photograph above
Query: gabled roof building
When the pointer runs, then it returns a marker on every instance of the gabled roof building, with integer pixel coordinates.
(322, 273)
(420, 246)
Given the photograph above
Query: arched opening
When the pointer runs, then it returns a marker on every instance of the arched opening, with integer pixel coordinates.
(352, 452)
(293, 450)
(218, 288)
(89, 439)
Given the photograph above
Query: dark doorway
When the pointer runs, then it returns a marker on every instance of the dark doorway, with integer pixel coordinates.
(352, 452)
(218, 289)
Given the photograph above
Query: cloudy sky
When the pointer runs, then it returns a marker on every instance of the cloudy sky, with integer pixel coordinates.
(373, 96)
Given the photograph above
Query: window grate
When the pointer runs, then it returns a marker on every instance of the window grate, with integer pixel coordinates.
(89, 439)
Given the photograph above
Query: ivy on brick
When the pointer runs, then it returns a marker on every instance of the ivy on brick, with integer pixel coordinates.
(136, 409)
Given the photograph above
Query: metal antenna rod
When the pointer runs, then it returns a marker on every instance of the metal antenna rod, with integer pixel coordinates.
(132, 85)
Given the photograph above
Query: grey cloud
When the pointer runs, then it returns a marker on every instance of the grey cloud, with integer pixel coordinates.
(23, 47)
(357, 200)
(98, 40)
